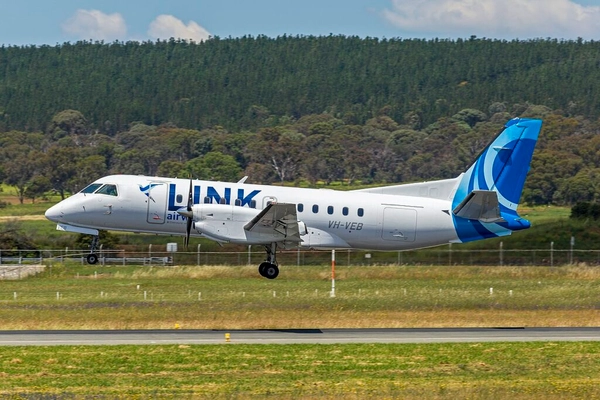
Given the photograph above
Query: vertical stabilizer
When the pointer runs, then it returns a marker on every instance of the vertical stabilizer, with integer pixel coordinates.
(501, 168)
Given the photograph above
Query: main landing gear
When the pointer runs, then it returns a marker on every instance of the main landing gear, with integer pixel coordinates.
(92, 258)
(269, 268)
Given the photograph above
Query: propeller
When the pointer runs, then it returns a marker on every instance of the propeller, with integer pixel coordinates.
(189, 215)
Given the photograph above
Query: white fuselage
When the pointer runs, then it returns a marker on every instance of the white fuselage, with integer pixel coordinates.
(333, 219)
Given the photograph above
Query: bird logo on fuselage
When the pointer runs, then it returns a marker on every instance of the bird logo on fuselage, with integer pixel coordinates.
(146, 189)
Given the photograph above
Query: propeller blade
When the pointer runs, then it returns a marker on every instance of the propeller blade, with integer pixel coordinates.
(187, 232)
(190, 201)
(190, 216)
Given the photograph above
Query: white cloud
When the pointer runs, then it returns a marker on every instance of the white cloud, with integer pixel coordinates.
(167, 26)
(94, 24)
(496, 19)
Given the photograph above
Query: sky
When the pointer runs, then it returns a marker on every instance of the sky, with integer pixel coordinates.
(43, 22)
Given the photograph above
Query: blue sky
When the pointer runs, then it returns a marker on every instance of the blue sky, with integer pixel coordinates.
(25, 22)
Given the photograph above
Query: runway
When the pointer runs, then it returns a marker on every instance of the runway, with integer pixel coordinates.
(294, 336)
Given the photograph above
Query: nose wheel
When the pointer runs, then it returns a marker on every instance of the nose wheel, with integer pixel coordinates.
(269, 268)
(92, 258)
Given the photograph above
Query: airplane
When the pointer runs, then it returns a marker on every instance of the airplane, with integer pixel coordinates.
(479, 203)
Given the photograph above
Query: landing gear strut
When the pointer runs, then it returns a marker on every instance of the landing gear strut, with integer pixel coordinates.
(92, 258)
(269, 268)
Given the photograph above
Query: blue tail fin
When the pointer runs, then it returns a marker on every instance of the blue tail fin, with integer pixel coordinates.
(501, 168)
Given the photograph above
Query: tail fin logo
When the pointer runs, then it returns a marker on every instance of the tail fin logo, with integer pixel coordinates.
(501, 167)
(503, 164)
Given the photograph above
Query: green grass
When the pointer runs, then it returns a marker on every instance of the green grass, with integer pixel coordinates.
(237, 298)
(18, 210)
(9, 194)
(414, 371)
(95, 297)
(543, 214)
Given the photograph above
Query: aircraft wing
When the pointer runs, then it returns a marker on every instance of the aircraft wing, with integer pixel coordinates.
(481, 205)
(278, 220)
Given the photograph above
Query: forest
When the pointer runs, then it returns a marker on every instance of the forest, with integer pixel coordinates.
(310, 111)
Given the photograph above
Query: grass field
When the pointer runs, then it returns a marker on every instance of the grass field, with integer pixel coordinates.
(409, 371)
(86, 297)
(83, 297)
(71, 296)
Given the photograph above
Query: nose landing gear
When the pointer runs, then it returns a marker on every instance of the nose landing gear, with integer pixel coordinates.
(92, 258)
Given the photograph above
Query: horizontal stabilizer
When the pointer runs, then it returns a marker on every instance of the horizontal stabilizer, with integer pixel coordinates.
(481, 205)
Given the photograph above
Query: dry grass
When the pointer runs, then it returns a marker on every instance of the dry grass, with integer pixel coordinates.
(237, 298)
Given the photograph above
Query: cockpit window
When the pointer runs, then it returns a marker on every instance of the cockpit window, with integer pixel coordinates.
(91, 188)
(110, 190)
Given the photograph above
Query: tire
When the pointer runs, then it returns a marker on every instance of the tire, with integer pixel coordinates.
(271, 272)
(92, 259)
(262, 267)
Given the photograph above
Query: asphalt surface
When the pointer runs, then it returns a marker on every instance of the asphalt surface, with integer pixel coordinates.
(290, 336)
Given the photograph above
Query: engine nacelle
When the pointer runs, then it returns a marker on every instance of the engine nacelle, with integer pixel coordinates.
(222, 222)
(226, 223)
(222, 212)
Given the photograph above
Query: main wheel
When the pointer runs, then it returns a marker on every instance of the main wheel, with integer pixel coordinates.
(271, 271)
(262, 267)
(92, 258)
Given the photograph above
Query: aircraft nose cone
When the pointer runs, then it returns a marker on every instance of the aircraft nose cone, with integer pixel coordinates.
(54, 213)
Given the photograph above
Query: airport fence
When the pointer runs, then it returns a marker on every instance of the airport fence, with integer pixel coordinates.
(254, 255)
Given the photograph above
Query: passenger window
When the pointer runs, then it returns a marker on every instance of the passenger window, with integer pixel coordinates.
(330, 210)
(300, 207)
(110, 190)
(238, 202)
(91, 188)
(252, 203)
(206, 200)
(179, 198)
(315, 208)
(345, 211)
(361, 212)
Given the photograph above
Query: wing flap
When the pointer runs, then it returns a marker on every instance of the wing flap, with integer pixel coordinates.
(279, 220)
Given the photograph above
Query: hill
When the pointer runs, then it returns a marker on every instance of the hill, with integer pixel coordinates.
(238, 83)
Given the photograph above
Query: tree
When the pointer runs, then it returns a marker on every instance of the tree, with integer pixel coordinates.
(280, 148)
(68, 122)
(59, 165)
(470, 116)
(12, 236)
(37, 186)
(579, 188)
(214, 166)
(87, 170)
(19, 168)
(173, 169)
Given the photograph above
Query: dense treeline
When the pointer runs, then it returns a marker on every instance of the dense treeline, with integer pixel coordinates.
(296, 110)
(315, 149)
(247, 82)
